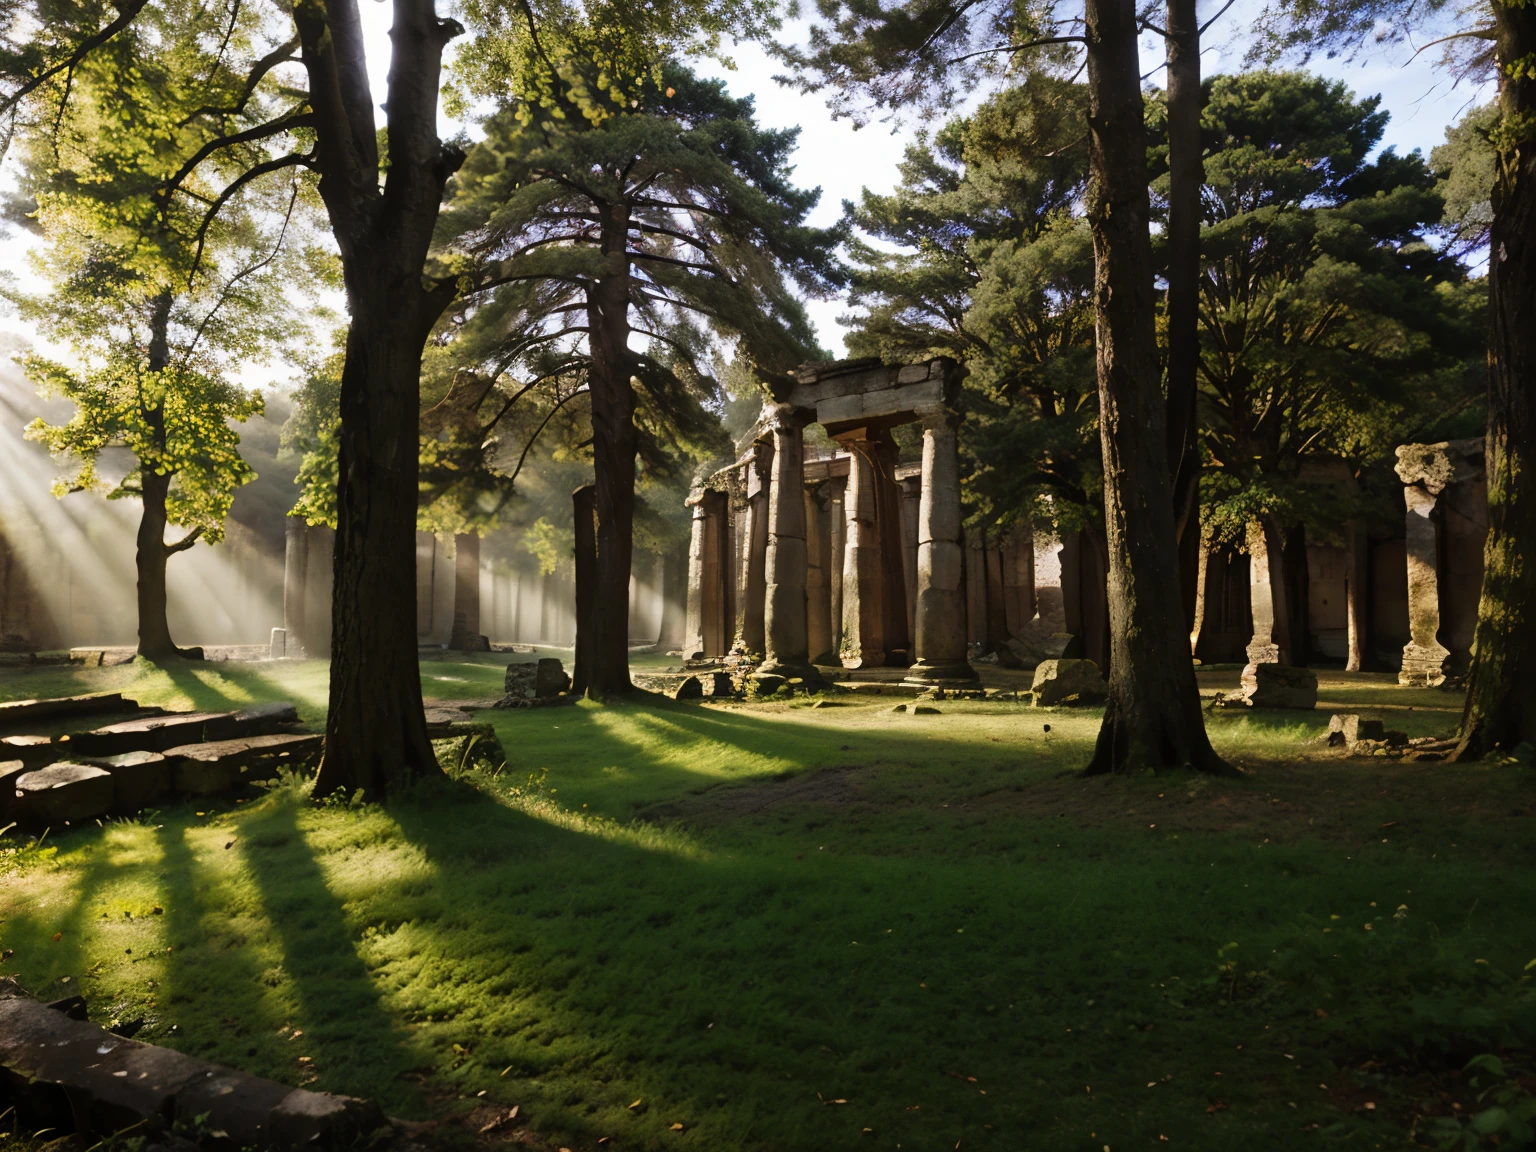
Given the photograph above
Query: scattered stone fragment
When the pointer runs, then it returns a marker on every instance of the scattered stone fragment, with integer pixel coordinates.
(691, 688)
(899, 708)
(63, 793)
(1055, 680)
(1396, 739)
(925, 710)
(1346, 729)
(766, 684)
(540, 679)
(1279, 686)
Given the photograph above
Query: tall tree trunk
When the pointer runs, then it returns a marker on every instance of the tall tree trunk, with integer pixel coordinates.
(1298, 594)
(1152, 718)
(152, 553)
(376, 734)
(1186, 174)
(1501, 683)
(614, 445)
(583, 502)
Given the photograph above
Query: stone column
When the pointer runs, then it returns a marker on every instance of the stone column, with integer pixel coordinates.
(837, 534)
(1045, 637)
(295, 557)
(785, 649)
(1018, 578)
(911, 489)
(1266, 590)
(818, 599)
(1358, 654)
(940, 638)
(863, 642)
(693, 629)
(1423, 656)
(754, 637)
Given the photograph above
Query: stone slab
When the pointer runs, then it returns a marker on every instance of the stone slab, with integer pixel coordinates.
(113, 1083)
(155, 734)
(63, 793)
(1278, 686)
(261, 720)
(138, 778)
(216, 766)
(63, 708)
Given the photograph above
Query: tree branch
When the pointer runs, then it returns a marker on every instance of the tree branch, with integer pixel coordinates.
(184, 543)
(250, 135)
(292, 160)
(125, 16)
(279, 55)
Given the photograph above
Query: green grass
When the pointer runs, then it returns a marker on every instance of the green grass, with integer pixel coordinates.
(796, 928)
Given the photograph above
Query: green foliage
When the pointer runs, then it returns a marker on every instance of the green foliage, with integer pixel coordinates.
(1330, 326)
(1466, 165)
(1508, 1119)
(553, 546)
(994, 266)
(159, 301)
(313, 434)
(175, 422)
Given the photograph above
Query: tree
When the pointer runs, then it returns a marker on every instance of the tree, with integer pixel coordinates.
(893, 56)
(634, 223)
(1500, 708)
(1328, 322)
(154, 305)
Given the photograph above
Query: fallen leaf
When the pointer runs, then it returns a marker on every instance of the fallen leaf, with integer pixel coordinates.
(1216, 1107)
(677, 1128)
(637, 1104)
(57, 936)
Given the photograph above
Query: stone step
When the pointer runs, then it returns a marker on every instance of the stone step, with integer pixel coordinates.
(158, 733)
(216, 766)
(32, 750)
(99, 1084)
(64, 708)
(138, 779)
(62, 794)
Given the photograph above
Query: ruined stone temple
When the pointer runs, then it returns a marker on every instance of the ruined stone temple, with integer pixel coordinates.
(833, 538)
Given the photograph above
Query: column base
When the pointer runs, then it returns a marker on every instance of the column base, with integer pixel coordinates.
(790, 670)
(1423, 667)
(958, 672)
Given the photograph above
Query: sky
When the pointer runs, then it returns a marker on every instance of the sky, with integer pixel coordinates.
(843, 160)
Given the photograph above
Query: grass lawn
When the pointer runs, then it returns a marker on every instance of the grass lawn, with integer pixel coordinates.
(783, 927)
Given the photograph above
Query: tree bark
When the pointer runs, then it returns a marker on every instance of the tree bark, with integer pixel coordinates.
(583, 502)
(614, 445)
(1298, 594)
(1500, 710)
(376, 736)
(151, 553)
(1186, 174)
(1152, 719)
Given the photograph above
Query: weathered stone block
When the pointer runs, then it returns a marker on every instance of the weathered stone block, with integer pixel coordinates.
(767, 684)
(1055, 680)
(720, 685)
(137, 778)
(261, 720)
(64, 793)
(690, 689)
(1346, 729)
(550, 678)
(1279, 686)
(10, 771)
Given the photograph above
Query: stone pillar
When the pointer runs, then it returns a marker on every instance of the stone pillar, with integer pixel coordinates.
(295, 558)
(911, 490)
(1018, 578)
(940, 615)
(837, 540)
(1358, 654)
(753, 635)
(818, 598)
(1266, 588)
(863, 641)
(1045, 637)
(693, 628)
(785, 648)
(1423, 656)
(466, 635)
